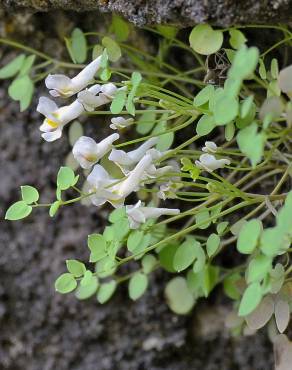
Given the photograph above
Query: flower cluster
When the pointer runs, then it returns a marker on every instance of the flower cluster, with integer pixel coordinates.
(136, 166)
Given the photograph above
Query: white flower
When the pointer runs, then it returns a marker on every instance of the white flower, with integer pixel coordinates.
(128, 160)
(108, 189)
(210, 147)
(120, 123)
(90, 101)
(168, 190)
(209, 163)
(57, 118)
(87, 152)
(61, 85)
(138, 214)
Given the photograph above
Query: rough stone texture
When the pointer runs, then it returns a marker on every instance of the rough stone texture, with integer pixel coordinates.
(181, 12)
(41, 330)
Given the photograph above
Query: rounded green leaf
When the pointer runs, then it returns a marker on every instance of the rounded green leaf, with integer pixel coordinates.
(237, 38)
(248, 236)
(120, 28)
(134, 240)
(204, 95)
(225, 109)
(166, 256)
(205, 125)
(78, 46)
(65, 283)
(97, 245)
(213, 243)
(200, 258)
(185, 255)
(65, 178)
(112, 48)
(18, 211)
(178, 295)
(137, 285)
(148, 263)
(202, 219)
(75, 267)
(244, 63)
(204, 40)
(105, 291)
(87, 290)
(54, 208)
(251, 299)
(29, 194)
(258, 268)
(21, 89)
(117, 215)
(10, 69)
(75, 131)
(118, 102)
(105, 267)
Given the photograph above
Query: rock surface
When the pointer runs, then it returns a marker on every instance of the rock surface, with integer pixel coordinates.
(181, 12)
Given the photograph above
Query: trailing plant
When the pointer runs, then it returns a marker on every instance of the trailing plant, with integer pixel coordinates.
(208, 147)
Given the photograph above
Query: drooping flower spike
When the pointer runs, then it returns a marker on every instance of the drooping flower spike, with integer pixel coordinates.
(139, 214)
(87, 152)
(61, 85)
(57, 118)
(209, 163)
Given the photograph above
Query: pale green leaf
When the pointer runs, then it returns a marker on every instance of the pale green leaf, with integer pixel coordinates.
(137, 285)
(105, 291)
(65, 283)
(97, 245)
(65, 178)
(250, 300)
(29, 194)
(87, 290)
(178, 295)
(10, 69)
(112, 48)
(248, 236)
(204, 40)
(213, 243)
(76, 268)
(17, 211)
(78, 46)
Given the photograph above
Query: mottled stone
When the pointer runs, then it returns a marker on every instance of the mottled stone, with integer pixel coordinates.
(180, 12)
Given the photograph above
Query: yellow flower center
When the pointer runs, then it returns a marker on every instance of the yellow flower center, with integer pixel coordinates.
(51, 123)
(90, 157)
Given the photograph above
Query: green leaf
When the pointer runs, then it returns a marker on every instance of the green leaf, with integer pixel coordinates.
(97, 51)
(262, 69)
(244, 63)
(229, 131)
(213, 243)
(246, 106)
(10, 69)
(190, 167)
(75, 132)
(146, 122)
(121, 228)
(78, 46)
(209, 278)
(168, 32)
(220, 228)
(112, 48)
(166, 256)
(251, 299)
(118, 102)
(178, 295)
(87, 290)
(136, 78)
(120, 28)
(21, 89)
(137, 285)
(148, 263)
(248, 236)
(202, 217)
(272, 241)
(230, 286)
(274, 68)
(105, 267)
(65, 178)
(134, 240)
(65, 283)
(29, 194)
(185, 255)
(54, 208)
(237, 38)
(105, 291)
(117, 214)
(200, 258)
(251, 143)
(204, 40)
(258, 268)
(225, 109)
(86, 278)
(164, 141)
(75, 267)
(204, 95)
(18, 211)
(97, 245)
(27, 65)
(205, 125)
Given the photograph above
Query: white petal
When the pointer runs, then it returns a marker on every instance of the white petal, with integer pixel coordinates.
(60, 85)
(210, 147)
(70, 112)
(120, 157)
(120, 122)
(86, 75)
(85, 152)
(109, 90)
(105, 145)
(53, 135)
(46, 107)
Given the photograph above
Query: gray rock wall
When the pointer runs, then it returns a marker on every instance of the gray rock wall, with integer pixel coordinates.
(181, 12)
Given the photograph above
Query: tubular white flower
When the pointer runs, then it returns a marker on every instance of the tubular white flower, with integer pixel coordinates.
(209, 163)
(57, 118)
(61, 85)
(210, 147)
(123, 159)
(108, 189)
(138, 214)
(90, 101)
(120, 123)
(87, 152)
